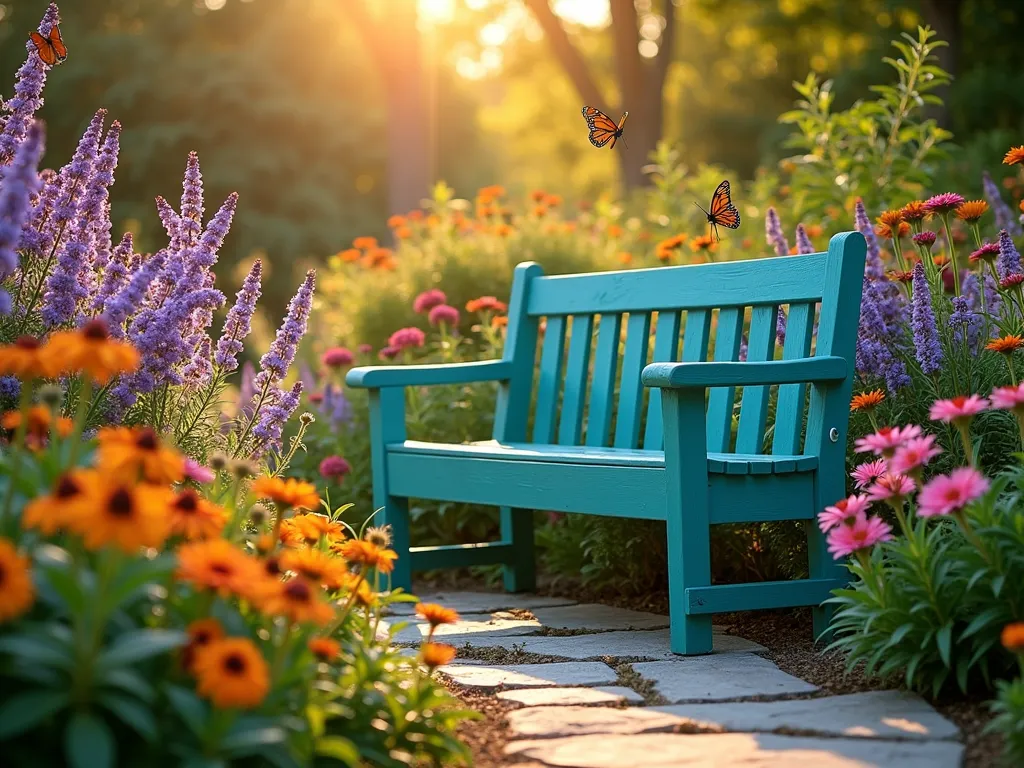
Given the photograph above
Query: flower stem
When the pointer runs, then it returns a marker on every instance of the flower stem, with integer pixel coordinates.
(952, 254)
(17, 447)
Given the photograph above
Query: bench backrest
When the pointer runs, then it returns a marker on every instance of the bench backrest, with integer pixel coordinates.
(598, 338)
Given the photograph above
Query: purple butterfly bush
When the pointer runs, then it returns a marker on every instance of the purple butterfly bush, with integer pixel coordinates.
(1009, 258)
(927, 348)
(803, 242)
(239, 320)
(774, 234)
(20, 182)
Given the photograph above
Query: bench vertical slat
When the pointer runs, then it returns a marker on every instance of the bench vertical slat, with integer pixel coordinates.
(631, 390)
(666, 350)
(549, 380)
(602, 392)
(576, 374)
(513, 407)
(754, 408)
(721, 399)
(789, 409)
(696, 335)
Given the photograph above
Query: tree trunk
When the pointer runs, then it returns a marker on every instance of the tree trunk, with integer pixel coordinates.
(944, 17)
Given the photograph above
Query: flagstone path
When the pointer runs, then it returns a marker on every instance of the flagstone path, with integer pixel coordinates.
(596, 687)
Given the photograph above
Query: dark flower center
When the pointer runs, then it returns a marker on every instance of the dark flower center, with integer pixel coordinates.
(147, 440)
(96, 330)
(120, 504)
(27, 342)
(67, 488)
(187, 502)
(3, 574)
(234, 664)
(272, 566)
(297, 590)
(221, 569)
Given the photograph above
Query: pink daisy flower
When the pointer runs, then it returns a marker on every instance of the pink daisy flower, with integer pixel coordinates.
(950, 493)
(886, 440)
(943, 203)
(865, 474)
(863, 534)
(407, 337)
(958, 408)
(914, 454)
(443, 313)
(427, 300)
(337, 357)
(389, 353)
(845, 511)
(1008, 398)
(196, 471)
(891, 486)
(365, 349)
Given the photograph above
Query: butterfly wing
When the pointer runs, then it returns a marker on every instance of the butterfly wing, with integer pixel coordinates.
(57, 43)
(602, 127)
(722, 210)
(45, 50)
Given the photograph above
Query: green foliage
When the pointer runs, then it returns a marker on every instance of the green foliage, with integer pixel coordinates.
(1008, 709)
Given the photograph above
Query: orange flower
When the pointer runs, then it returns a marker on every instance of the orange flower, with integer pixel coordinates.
(867, 401)
(539, 211)
(1012, 637)
(437, 654)
(493, 192)
(666, 247)
(289, 493)
(971, 211)
(17, 592)
(1014, 156)
(538, 195)
(311, 527)
(71, 493)
(324, 648)
(1005, 345)
(315, 565)
(891, 218)
(915, 211)
(201, 633)
(884, 230)
(436, 614)
(703, 243)
(28, 358)
(499, 321)
(194, 517)
(614, 230)
(403, 233)
(368, 554)
(815, 230)
(502, 230)
(568, 226)
(218, 565)
(486, 304)
(131, 453)
(232, 673)
(364, 243)
(296, 599)
(414, 215)
(901, 277)
(553, 201)
(624, 257)
(39, 418)
(396, 221)
(746, 243)
(433, 220)
(940, 260)
(350, 254)
(91, 349)
(125, 515)
(1021, 206)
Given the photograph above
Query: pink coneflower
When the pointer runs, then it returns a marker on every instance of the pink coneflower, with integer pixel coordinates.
(1012, 281)
(944, 203)
(914, 454)
(958, 409)
(865, 474)
(197, 472)
(844, 511)
(863, 534)
(950, 493)
(926, 238)
(445, 314)
(365, 349)
(427, 300)
(1008, 398)
(389, 353)
(336, 357)
(987, 252)
(891, 487)
(404, 338)
(886, 440)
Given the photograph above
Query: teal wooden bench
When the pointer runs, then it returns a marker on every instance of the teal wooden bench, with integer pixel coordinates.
(592, 451)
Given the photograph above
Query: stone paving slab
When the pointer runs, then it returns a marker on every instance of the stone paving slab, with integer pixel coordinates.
(649, 644)
(548, 697)
(561, 722)
(669, 750)
(876, 714)
(481, 602)
(469, 628)
(719, 676)
(531, 675)
(598, 618)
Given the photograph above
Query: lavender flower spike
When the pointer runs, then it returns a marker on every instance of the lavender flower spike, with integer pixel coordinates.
(192, 201)
(964, 321)
(1004, 216)
(274, 364)
(803, 242)
(198, 372)
(237, 324)
(28, 90)
(874, 267)
(128, 300)
(926, 335)
(275, 414)
(20, 182)
(115, 275)
(169, 218)
(1009, 259)
(773, 233)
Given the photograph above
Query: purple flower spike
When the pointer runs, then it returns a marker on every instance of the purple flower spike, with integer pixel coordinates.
(964, 322)
(1009, 258)
(192, 201)
(20, 182)
(773, 233)
(128, 300)
(205, 256)
(199, 370)
(276, 411)
(780, 327)
(873, 267)
(926, 335)
(237, 323)
(28, 93)
(170, 219)
(115, 275)
(803, 242)
(275, 363)
(1004, 216)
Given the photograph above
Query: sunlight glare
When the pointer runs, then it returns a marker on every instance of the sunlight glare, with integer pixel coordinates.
(589, 13)
(437, 11)
(494, 33)
(216, 5)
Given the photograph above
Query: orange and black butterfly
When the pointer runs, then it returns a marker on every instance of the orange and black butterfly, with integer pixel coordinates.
(722, 210)
(50, 49)
(602, 128)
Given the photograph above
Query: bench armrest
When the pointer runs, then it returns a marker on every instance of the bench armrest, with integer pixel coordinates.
(713, 374)
(376, 376)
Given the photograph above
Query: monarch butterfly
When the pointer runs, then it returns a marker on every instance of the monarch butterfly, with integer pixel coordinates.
(602, 128)
(52, 49)
(722, 210)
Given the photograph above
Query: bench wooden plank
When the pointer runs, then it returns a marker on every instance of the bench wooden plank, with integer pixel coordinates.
(549, 381)
(666, 349)
(725, 598)
(754, 406)
(577, 372)
(721, 399)
(631, 391)
(602, 390)
(789, 407)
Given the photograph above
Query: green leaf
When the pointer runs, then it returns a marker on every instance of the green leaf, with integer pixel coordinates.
(137, 575)
(88, 742)
(33, 649)
(189, 707)
(67, 587)
(25, 710)
(982, 620)
(250, 740)
(944, 639)
(132, 713)
(141, 644)
(340, 749)
(127, 680)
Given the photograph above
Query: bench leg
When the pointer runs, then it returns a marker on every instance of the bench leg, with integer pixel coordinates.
(517, 530)
(689, 565)
(821, 565)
